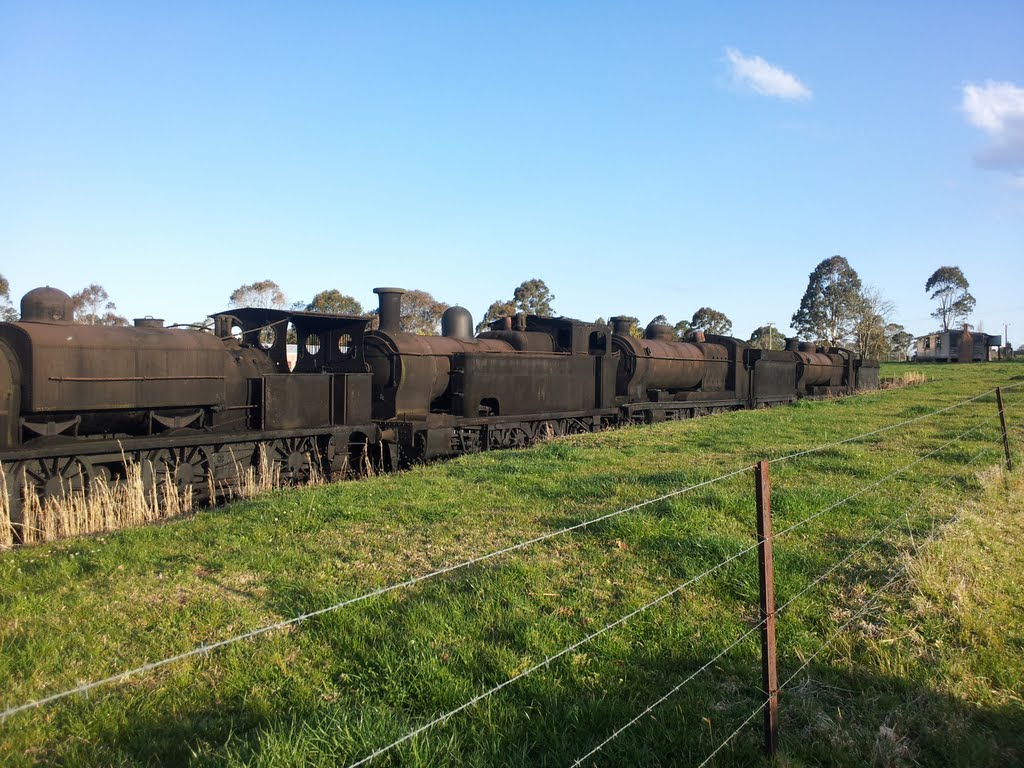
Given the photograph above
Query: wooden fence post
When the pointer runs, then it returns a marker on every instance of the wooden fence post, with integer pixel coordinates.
(766, 574)
(1002, 423)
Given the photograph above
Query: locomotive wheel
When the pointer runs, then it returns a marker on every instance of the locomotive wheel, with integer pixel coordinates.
(513, 437)
(517, 438)
(293, 457)
(53, 478)
(576, 427)
(182, 466)
(359, 463)
(547, 430)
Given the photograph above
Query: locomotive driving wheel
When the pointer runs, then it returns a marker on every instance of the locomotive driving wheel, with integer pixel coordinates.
(517, 438)
(576, 427)
(511, 437)
(183, 466)
(52, 478)
(293, 457)
(547, 430)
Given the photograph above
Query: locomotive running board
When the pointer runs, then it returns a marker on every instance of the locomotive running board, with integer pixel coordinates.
(84, 447)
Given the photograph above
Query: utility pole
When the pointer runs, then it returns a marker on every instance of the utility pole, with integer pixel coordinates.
(770, 334)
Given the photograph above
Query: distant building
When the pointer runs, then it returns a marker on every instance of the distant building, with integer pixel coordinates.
(956, 347)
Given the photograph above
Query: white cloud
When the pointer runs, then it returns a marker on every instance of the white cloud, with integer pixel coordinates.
(990, 106)
(998, 109)
(760, 76)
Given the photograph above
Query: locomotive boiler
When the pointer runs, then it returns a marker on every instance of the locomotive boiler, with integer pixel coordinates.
(660, 377)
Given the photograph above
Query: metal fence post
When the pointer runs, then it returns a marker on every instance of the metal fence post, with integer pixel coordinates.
(1002, 423)
(766, 579)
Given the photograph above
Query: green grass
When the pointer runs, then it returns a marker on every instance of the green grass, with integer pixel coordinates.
(932, 675)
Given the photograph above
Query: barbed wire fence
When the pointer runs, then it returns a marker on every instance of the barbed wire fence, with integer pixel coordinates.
(763, 545)
(769, 693)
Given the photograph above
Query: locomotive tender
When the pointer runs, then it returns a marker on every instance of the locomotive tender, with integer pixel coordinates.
(193, 408)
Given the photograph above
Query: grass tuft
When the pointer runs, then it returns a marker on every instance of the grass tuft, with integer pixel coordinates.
(904, 379)
(133, 501)
(107, 507)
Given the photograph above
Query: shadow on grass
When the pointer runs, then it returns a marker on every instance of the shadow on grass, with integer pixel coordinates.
(829, 715)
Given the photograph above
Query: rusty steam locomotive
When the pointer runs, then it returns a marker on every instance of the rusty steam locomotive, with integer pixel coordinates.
(78, 403)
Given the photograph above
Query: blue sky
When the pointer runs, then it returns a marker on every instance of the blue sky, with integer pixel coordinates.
(640, 158)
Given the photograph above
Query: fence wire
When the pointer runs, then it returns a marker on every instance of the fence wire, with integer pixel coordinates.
(206, 648)
(831, 638)
(866, 488)
(896, 519)
(547, 661)
(828, 641)
(826, 446)
(902, 514)
(668, 695)
(734, 734)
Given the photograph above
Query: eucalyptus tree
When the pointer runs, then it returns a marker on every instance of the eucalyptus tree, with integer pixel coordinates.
(828, 309)
(949, 288)
(711, 321)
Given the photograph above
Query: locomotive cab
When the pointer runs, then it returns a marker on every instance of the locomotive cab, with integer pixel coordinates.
(329, 383)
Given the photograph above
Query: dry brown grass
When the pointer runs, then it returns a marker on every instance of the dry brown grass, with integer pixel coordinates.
(6, 531)
(907, 379)
(264, 476)
(107, 507)
(132, 502)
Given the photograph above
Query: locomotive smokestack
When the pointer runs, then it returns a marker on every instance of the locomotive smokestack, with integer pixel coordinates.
(390, 312)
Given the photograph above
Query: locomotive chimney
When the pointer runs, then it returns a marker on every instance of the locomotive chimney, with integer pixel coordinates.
(390, 309)
(793, 345)
(620, 325)
(148, 322)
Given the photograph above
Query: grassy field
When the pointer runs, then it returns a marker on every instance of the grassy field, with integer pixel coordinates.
(926, 672)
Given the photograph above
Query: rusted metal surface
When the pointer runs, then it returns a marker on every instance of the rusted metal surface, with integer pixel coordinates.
(650, 364)
(818, 369)
(766, 583)
(69, 368)
(295, 402)
(411, 372)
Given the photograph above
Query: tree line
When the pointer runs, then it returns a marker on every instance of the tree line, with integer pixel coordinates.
(836, 309)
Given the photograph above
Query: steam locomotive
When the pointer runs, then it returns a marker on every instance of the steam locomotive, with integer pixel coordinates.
(79, 403)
